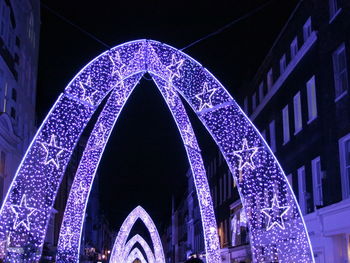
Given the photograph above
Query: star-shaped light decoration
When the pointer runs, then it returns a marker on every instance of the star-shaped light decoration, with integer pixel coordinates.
(79, 194)
(118, 66)
(52, 151)
(275, 214)
(205, 97)
(67, 238)
(188, 136)
(246, 155)
(22, 213)
(174, 67)
(88, 91)
(169, 95)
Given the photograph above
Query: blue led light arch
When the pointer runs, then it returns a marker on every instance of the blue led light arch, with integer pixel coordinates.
(276, 225)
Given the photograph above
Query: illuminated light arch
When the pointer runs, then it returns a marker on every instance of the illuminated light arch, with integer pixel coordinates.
(132, 242)
(135, 254)
(277, 230)
(78, 198)
(120, 244)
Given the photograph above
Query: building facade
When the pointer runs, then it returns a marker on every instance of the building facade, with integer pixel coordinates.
(183, 237)
(19, 42)
(299, 101)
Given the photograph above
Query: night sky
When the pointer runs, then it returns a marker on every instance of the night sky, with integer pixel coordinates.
(145, 162)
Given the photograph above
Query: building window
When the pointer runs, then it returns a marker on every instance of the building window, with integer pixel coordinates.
(272, 136)
(298, 123)
(334, 8)
(317, 181)
(5, 98)
(269, 79)
(14, 94)
(261, 91)
(290, 180)
(344, 152)
(302, 190)
(294, 48)
(225, 187)
(13, 113)
(245, 105)
(307, 29)
(283, 64)
(2, 163)
(263, 134)
(285, 117)
(254, 101)
(220, 191)
(340, 72)
(230, 184)
(311, 99)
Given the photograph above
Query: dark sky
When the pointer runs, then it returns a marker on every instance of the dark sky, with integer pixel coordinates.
(145, 162)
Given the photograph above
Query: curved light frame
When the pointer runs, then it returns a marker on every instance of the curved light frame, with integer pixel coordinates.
(277, 229)
(132, 242)
(135, 254)
(118, 250)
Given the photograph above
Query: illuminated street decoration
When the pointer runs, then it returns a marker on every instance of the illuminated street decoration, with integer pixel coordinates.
(132, 242)
(22, 213)
(120, 244)
(275, 214)
(88, 91)
(52, 151)
(246, 155)
(174, 67)
(41, 169)
(134, 255)
(205, 97)
(78, 198)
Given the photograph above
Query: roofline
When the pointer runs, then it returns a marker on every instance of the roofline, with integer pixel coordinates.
(276, 40)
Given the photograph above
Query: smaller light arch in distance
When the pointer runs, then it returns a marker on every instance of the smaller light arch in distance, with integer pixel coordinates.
(134, 255)
(124, 232)
(146, 248)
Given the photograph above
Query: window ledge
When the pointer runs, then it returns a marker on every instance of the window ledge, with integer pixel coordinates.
(311, 120)
(341, 96)
(284, 143)
(297, 131)
(335, 15)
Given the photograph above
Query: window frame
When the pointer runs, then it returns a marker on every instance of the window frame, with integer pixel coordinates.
(298, 118)
(337, 72)
(334, 9)
(302, 193)
(269, 79)
(272, 133)
(283, 64)
(254, 101)
(345, 179)
(261, 91)
(316, 186)
(307, 29)
(294, 48)
(286, 126)
(311, 99)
